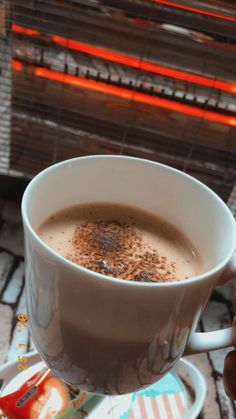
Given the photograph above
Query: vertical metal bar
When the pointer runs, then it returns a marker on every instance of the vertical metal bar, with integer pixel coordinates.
(5, 88)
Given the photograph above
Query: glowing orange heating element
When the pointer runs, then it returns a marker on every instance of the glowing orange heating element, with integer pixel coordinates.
(144, 65)
(17, 65)
(136, 62)
(195, 10)
(26, 31)
(128, 94)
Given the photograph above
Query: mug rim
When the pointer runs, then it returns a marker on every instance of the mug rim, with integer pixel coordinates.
(62, 259)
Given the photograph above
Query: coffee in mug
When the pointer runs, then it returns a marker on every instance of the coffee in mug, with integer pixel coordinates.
(121, 241)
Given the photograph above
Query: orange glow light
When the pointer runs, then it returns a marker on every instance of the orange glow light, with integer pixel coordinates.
(17, 65)
(144, 65)
(195, 10)
(135, 62)
(25, 31)
(128, 94)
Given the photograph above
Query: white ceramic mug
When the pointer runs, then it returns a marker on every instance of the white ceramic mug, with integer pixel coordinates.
(114, 336)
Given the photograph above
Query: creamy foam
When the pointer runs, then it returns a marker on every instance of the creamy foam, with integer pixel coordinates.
(121, 241)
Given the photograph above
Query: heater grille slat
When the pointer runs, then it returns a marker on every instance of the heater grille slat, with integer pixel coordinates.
(151, 78)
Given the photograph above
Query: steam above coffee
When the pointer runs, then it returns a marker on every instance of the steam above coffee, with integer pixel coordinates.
(122, 242)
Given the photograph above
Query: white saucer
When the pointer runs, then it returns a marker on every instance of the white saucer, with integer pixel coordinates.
(166, 399)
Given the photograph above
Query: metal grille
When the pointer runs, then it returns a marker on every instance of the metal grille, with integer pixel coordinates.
(151, 78)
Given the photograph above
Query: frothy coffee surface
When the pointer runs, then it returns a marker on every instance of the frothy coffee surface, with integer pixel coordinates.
(121, 241)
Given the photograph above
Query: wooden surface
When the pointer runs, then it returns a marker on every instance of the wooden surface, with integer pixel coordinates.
(218, 314)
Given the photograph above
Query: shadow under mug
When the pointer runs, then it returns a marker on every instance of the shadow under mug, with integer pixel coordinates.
(112, 336)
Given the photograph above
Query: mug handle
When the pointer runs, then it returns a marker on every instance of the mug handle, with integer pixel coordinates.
(211, 341)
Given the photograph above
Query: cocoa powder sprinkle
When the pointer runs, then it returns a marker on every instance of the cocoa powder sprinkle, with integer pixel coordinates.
(116, 249)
